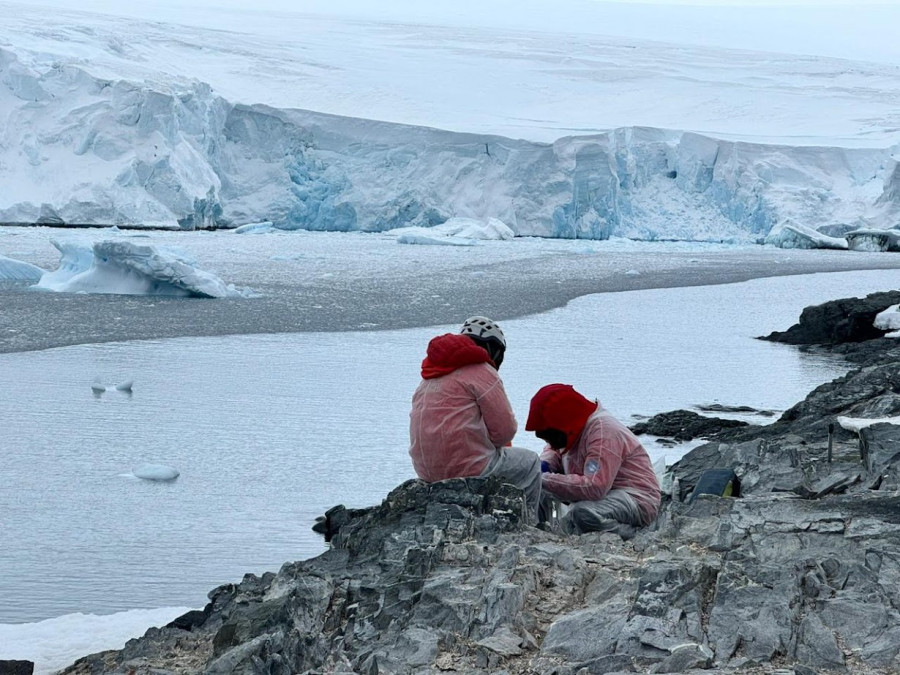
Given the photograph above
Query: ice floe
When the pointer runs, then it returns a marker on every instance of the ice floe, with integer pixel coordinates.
(156, 472)
(456, 232)
(127, 268)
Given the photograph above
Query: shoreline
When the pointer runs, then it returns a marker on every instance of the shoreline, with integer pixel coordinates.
(343, 301)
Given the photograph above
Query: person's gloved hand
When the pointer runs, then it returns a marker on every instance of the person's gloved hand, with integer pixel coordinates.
(545, 466)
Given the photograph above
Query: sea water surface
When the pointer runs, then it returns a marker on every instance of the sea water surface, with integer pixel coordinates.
(269, 431)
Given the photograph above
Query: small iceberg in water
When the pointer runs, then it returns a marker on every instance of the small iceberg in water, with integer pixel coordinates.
(456, 232)
(99, 388)
(256, 228)
(157, 472)
(126, 268)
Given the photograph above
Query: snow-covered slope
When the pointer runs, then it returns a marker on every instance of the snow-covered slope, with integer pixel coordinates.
(102, 124)
(584, 66)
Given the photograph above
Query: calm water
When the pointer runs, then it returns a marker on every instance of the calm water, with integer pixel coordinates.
(269, 431)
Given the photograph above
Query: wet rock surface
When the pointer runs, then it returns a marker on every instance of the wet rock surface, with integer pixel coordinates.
(838, 321)
(16, 667)
(685, 425)
(799, 575)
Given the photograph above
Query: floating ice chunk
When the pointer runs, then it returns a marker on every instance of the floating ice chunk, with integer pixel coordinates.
(472, 228)
(873, 240)
(426, 239)
(455, 232)
(16, 270)
(789, 234)
(255, 228)
(99, 388)
(632, 273)
(159, 472)
(889, 320)
(856, 423)
(127, 268)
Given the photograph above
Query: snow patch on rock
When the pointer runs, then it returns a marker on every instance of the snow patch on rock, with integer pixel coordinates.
(889, 320)
(856, 424)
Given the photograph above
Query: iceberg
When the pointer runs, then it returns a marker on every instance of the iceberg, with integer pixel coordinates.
(157, 472)
(16, 270)
(456, 232)
(423, 238)
(873, 240)
(125, 387)
(255, 228)
(126, 268)
(789, 234)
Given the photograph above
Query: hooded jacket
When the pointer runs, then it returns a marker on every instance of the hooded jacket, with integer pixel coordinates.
(460, 412)
(601, 453)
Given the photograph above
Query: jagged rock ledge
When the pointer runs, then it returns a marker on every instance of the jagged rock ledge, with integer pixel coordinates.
(838, 321)
(800, 575)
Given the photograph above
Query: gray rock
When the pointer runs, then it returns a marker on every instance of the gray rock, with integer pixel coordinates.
(803, 568)
(817, 645)
(16, 667)
(587, 634)
(846, 320)
(685, 657)
(684, 425)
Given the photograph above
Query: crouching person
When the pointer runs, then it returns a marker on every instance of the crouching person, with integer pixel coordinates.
(594, 463)
(461, 421)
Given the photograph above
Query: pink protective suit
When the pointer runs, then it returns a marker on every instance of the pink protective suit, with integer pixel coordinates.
(460, 411)
(601, 453)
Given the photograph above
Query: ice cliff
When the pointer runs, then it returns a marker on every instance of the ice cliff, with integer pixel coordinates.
(76, 149)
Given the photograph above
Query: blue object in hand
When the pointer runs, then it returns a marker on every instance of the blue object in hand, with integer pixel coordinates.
(545, 466)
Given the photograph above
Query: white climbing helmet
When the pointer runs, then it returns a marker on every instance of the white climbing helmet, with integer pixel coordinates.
(483, 328)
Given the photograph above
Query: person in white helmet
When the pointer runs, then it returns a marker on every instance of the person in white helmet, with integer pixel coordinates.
(462, 423)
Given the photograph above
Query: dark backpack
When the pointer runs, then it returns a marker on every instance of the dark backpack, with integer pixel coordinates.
(719, 482)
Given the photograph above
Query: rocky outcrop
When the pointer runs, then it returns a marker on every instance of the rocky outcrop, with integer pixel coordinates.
(838, 321)
(799, 575)
(16, 667)
(685, 425)
(801, 572)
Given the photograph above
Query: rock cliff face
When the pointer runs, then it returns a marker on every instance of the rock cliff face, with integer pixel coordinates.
(801, 574)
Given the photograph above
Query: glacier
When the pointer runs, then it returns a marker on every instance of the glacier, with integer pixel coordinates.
(126, 268)
(81, 150)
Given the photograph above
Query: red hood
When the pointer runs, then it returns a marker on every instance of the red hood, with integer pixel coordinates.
(449, 352)
(559, 406)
